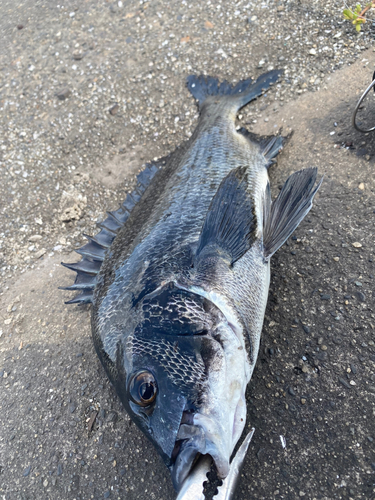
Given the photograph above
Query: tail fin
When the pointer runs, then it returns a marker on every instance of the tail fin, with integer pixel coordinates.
(246, 90)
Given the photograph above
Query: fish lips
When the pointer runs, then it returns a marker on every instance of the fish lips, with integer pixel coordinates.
(192, 442)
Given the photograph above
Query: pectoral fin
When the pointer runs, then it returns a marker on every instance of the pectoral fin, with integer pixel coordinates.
(287, 211)
(230, 225)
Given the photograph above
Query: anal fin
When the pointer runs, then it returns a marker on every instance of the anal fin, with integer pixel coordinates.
(287, 211)
(230, 223)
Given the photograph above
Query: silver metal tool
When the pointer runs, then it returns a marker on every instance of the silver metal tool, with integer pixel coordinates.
(192, 488)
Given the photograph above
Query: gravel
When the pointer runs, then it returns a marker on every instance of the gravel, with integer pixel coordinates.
(81, 81)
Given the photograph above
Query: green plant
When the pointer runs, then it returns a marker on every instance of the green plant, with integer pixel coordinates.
(357, 16)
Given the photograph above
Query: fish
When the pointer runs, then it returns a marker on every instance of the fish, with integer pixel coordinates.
(178, 279)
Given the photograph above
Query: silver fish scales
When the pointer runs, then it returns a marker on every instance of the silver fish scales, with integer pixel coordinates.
(178, 279)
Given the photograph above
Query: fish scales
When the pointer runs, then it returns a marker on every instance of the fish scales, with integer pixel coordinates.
(178, 299)
(186, 198)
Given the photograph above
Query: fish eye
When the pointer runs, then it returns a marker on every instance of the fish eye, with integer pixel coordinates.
(143, 388)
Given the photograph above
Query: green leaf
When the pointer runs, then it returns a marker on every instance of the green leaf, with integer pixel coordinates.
(358, 27)
(348, 14)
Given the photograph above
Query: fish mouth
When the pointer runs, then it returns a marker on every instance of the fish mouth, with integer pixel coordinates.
(193, 440)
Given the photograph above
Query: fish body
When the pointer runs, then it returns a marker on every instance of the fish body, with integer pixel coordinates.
(179, 283)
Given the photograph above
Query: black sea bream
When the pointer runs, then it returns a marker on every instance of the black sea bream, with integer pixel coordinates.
(178, 279)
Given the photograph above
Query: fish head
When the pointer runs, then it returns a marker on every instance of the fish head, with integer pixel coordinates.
(185, 375)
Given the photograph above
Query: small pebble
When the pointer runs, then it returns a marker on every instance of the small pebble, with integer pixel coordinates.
(35, 237)
(26, 472)
(77, 55)
(361, 296)
(353, 369)
(63, 94)
(357, 244)
(344, 382)
(40, 253)
(113, 110)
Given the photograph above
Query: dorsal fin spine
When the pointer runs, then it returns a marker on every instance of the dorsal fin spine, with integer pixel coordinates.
(93, 253)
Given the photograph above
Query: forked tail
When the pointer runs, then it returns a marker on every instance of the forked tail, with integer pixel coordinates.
(203, 87)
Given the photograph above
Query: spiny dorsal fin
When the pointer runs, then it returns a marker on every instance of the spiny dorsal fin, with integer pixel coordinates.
(230, 223)
(290, 207)
(94, 251)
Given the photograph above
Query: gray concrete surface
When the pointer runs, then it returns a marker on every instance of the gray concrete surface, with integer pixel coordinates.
(63, 433)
